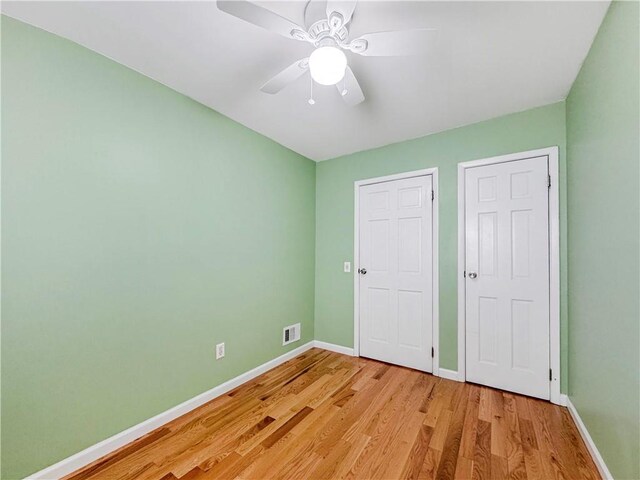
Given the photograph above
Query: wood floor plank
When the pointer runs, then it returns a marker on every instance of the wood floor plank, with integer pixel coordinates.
(571, 436)
(440, 430)
(331, 463)
(358, 445)
(498, 426)
(470, 430)
(323, 415)
(102, 464)
(397, 449)
(551, 464)
(499, 468)
(386, 431)
(464, 469)
(441, 401)
(449, 457)
(430, 465)
(298, 443)
(414, 437)
(419, 450)
(355, 415)
(232, 466)
(484, 409)
(482, 452)
(533, 463)
(271, 440)
(515, 453)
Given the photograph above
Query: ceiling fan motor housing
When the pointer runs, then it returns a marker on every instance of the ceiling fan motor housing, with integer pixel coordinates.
(321, 31)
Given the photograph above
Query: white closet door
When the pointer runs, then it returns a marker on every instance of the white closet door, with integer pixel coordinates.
(396, 249)
(507, 276)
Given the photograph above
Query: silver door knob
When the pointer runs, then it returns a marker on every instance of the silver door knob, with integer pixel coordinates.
(362, 271)
(472, 275)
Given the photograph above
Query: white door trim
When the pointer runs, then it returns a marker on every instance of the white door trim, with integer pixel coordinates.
(554, 260)
(356, 256)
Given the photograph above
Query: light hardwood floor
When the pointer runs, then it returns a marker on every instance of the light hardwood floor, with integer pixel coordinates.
(324, 415)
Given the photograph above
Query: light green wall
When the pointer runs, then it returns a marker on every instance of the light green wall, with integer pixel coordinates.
(537, 128)
(603, 128)
(139, 229)
(123, 266)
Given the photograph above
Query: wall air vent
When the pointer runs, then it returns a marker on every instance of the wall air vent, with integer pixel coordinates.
(291, 334)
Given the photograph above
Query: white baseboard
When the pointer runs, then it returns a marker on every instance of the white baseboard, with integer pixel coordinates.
(591, 446)
(333, 347)
(448, 374)
(93, 453)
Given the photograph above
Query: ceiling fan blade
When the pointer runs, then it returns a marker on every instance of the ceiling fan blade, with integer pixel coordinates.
(350, 89)
(252, 13)
(400, 43)
(286, 76)
(343, 7)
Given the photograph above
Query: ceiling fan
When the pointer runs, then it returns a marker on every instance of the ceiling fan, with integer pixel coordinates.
(329, 35)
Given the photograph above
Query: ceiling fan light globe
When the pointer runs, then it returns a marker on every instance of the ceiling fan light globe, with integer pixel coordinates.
(327, 65)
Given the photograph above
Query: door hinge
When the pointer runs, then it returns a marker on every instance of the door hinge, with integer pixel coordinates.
(433, 352)
(548, 181)
(433, 195)
(550, 375)
(464, 274)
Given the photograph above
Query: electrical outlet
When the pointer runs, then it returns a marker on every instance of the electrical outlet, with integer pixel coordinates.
(219, 351)
(347, 267)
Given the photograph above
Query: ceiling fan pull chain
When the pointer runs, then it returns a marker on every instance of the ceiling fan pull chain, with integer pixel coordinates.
(311, 100)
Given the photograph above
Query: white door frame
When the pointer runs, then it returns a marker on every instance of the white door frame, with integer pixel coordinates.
(356, 258)
(554, 261)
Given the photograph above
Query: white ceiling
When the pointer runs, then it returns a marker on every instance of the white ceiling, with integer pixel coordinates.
(492, 58)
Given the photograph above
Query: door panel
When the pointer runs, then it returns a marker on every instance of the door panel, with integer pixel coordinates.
(507, 303)
(410, 319)
(379, 313)
(379, 230)
(488, 329)
(396, 249)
